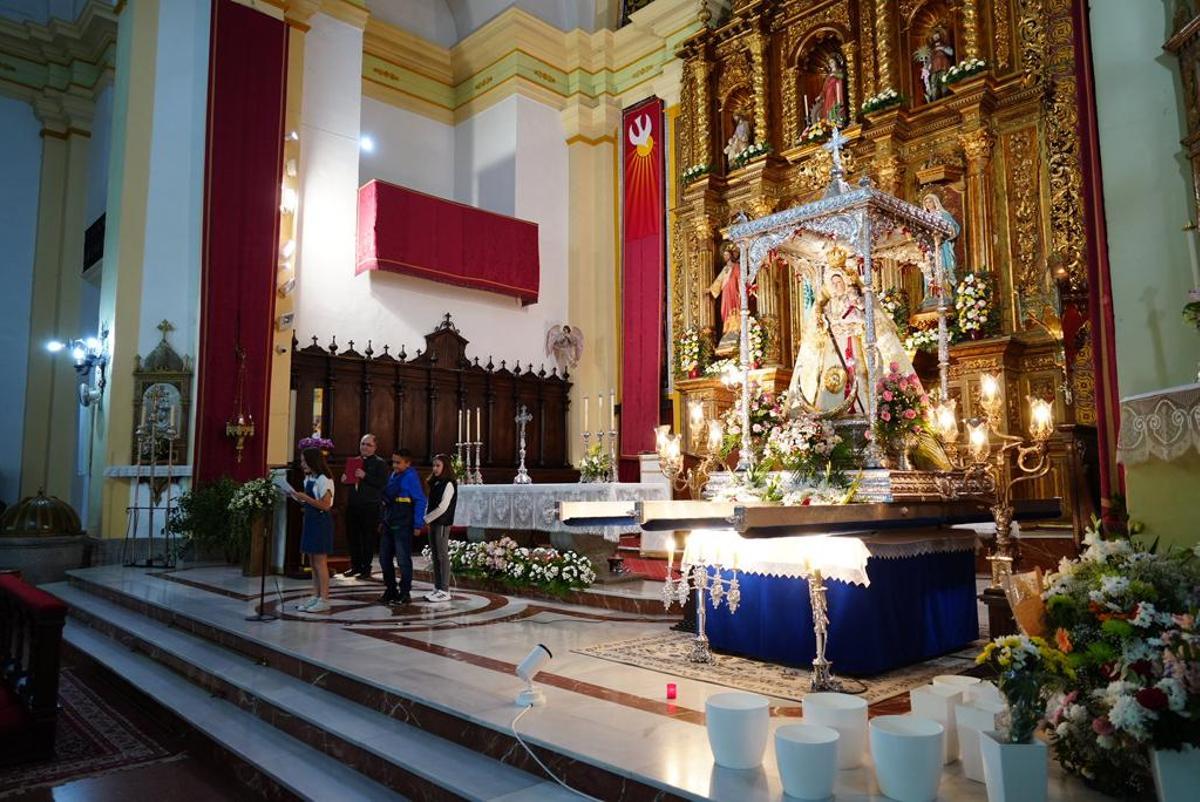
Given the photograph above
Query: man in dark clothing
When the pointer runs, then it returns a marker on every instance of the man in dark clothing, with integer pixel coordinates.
(404, 513)
(362, 508)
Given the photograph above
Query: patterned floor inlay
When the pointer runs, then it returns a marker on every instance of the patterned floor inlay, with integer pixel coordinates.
(666, 653)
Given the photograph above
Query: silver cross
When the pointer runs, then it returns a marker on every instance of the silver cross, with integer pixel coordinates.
(834, 146)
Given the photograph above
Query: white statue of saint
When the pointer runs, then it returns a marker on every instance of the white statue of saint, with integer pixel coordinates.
(740, 140)
(831, 373)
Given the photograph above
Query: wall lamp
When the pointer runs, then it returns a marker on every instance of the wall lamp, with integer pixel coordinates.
(90, 356)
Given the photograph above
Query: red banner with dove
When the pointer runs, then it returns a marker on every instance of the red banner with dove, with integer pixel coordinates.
(643, 281)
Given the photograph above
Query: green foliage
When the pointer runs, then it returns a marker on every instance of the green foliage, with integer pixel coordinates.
(202, 519)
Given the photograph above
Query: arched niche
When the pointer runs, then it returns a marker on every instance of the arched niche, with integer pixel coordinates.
(801, 51)
(931, 39)
(822, 79)
(737, 103)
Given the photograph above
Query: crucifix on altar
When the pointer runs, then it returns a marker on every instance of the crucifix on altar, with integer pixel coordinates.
(523, 417)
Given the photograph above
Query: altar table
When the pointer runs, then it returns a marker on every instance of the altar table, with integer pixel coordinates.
(535, 507)
(914, 599)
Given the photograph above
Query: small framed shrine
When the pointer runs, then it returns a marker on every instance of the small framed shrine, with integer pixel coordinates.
(167, 376)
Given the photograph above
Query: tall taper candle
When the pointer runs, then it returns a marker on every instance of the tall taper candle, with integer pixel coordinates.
(460, 426)
(478, 426)
(600, 409)
(612, 410)
(585, 413)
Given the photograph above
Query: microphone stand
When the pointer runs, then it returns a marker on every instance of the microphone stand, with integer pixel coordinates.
(262, 587)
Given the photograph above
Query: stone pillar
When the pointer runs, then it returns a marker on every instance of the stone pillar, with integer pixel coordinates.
(52, 406)
(977, 147)
(592, 162)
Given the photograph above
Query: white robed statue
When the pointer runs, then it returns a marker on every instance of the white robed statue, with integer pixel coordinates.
(831, 366)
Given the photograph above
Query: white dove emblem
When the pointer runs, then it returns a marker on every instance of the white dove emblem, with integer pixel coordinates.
(639, 135)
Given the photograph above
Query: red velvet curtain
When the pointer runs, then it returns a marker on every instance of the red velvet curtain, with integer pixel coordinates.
(246, 86)
(643, 285)
(401, 230)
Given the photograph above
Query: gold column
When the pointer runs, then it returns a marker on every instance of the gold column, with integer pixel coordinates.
(977, 147)
(883, 45)
(970, 19)
(791, 115)
(756, 43)
(51, 399)
(700, 69)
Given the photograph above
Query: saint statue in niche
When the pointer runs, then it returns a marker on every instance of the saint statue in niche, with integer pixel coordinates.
(740, 140)
(935, 58)
(933, 204)
(725, 287)
(831, 366)
(833, 91)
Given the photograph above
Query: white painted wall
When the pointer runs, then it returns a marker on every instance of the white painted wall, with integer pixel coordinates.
(101, 143)
(429, 19)
(510, 159)
(410, 150)
(20, 165)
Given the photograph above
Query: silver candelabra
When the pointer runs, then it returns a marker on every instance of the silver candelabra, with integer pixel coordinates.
(696, 577)
(150, 432)
(523, 417)
(470, 455)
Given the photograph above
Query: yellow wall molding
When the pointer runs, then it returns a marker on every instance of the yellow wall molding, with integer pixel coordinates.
(587, 140)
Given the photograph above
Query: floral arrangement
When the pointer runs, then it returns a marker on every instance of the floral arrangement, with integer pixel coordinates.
(690, 174)
(894, 302)
(721, 367)
(818, 131)
(693, 353)
(766, 414)
(807, 446)
(756, 484)
(884, 100)
(1125, 615)
(925, 338)
(596, 465)
(973, 301)
(754, 151)
(458, 466)
(545, 569)
(758, 343)
(964, 69)
(1027, 668)
(316, 441)
(902, 405)
(253, 497)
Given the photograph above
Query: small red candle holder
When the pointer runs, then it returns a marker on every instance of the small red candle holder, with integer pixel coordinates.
(671, 690)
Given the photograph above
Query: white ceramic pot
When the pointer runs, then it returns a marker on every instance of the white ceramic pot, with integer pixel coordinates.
(908, 756)
(971, 720)
(1176, 774)
(1013, 772)
(937, 702)
(737, 728)
(848, 715)
(806, 755)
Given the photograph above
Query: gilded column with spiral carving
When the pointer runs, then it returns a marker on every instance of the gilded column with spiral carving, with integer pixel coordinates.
(970, 21)
(883, 45)
(756, 43)
(977, 147)
(700, 69)
(791, 114)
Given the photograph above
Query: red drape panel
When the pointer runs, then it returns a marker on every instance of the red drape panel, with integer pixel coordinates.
(401, 230)
(246, 86)
(643, 287)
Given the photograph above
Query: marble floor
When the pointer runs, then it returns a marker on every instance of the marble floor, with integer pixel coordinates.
(459, 657)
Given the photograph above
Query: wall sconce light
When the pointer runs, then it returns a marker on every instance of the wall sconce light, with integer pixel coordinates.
(285, 289)
(90, 356)
(284, 321)
(288, 200)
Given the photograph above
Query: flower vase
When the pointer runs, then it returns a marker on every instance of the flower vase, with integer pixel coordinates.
(1013, 772)
(1176, 773)
(694, 373)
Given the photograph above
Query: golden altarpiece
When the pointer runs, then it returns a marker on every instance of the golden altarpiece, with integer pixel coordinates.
(972, 102)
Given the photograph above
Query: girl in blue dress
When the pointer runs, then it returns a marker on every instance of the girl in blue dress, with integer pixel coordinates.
(316, 539)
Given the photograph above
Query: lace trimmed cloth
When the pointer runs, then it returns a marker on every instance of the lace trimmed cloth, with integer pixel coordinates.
(1163, 425)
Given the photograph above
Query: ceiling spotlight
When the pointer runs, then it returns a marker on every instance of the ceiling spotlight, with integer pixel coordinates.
(366, 143)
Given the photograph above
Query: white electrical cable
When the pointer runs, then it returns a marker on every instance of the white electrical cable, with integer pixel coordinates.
(537, 760)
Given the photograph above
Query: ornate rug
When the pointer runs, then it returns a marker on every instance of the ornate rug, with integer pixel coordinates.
(93, 738)
(666, 653)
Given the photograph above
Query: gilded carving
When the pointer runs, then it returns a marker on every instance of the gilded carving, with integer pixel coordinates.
(1083, 385)
(791, 114)
(757, 46)
(970, 23)
(883, 45)
(1032, 37)
(1023, 210)
(977, 147)
(1001, 34)
(702, 147)
(865, 27)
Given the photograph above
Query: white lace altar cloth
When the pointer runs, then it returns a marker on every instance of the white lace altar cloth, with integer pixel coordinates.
(1162, 425)
(836, 557)
(535, 507)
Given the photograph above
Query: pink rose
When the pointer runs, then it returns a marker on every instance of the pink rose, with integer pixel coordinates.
(894, 367)
(909, 414)
(887, 395)
(886, 416)
(1102, 726)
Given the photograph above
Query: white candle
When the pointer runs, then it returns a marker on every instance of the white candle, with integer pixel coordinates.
(143, 422)
(585, 413)
(173, 411)
(806, 107)
(600, 410)
(478, 426)
(612, 410)
(839, 94)
(460, 426)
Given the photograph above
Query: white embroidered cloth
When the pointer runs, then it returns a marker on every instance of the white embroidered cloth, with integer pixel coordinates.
(535, 507)
(840, 557)
(1162, 425)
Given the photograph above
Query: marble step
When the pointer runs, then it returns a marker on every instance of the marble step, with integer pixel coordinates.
(298, 769)
(398, 755)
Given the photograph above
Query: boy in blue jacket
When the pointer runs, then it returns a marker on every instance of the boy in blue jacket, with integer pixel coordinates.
(403, 514)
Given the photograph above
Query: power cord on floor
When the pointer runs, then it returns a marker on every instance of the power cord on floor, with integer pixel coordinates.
(538, 760)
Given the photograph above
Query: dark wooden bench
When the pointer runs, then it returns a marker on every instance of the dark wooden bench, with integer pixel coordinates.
(31, 623)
